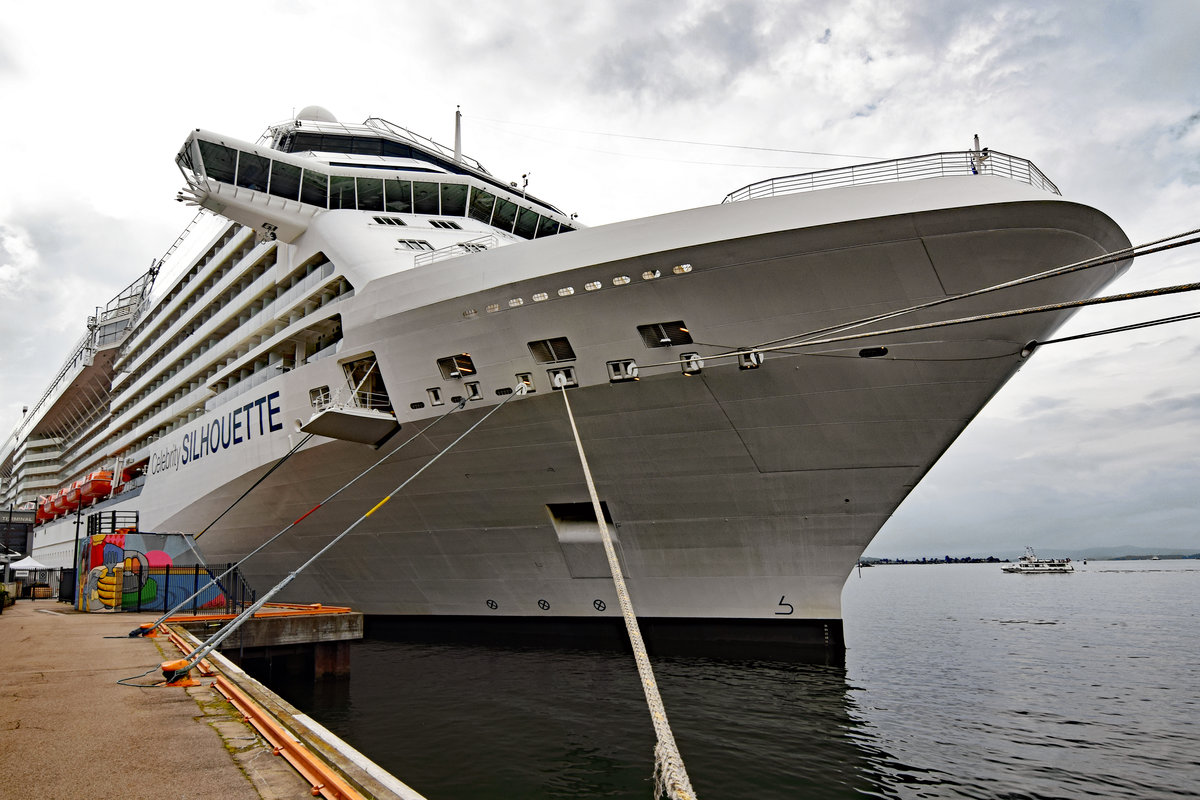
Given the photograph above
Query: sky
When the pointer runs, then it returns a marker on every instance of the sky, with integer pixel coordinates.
(615, 110)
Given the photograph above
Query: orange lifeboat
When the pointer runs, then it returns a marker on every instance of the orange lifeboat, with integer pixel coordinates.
(73, 496)
(59, 502)
(45, 511)
(95, 487)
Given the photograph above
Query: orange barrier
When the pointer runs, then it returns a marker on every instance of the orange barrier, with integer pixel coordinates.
(324, 779)
(278, 610)
(206, 668)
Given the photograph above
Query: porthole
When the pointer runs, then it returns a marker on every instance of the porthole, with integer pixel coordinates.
(681, 269)
(651, 274)
(516, 301)
(620, 280)
(492, 308)
(591, 286)
(566, 291)
(540, 296)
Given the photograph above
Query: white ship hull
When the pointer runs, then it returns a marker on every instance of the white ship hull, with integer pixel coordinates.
(738, 495)
(786, 399)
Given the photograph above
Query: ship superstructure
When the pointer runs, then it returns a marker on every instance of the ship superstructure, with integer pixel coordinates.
(745, 449)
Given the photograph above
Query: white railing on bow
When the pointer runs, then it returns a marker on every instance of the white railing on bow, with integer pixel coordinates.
(933, 165)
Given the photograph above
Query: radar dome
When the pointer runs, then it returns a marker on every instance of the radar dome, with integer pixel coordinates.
(315, 114)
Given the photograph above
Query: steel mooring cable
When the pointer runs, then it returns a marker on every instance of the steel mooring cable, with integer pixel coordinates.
(143, 630)
(175, 670)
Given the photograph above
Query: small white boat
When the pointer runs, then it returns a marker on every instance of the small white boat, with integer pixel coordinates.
(1030, 564)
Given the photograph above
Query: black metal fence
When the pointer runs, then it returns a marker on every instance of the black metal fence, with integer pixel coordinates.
(163, 588)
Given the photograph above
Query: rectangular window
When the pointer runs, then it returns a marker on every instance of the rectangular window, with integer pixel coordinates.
(527, 220)
(435, 396)
(473, 391)
(415, 244)
(285, 180)
(550, 351)
(506, 214)
(445, 223)
(253, 171)
(389, 221)
(425, 198)
(315, 189)
(456, 366)
(665, 334)
(341, 192)
(370, 194)
(220, 162)
(397, 196)
(547, 227)
(527, 379)
(481, 205)
(454, 199)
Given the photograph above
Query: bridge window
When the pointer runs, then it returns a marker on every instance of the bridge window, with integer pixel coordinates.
(285, 180)
(506, 214)
(526, 223)
(481, 205)
(370, 194)
(220, 162)
(315, 188)
(547, 227)
(341, 192)
(397, 196)
(425, 198)
(454, 199)
(253, 171)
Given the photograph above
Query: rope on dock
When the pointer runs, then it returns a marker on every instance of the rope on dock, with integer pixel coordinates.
(670, 775)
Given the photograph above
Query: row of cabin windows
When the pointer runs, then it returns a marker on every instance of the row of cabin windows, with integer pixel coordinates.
(288, 181)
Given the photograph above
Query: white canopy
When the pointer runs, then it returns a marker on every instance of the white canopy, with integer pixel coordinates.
(27, 563)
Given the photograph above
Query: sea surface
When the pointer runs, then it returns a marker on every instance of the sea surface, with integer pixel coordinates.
(959, 682)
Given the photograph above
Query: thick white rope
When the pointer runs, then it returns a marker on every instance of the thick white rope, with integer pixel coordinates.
(670, 776)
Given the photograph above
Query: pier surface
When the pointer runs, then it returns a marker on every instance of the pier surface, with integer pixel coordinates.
(69, 730)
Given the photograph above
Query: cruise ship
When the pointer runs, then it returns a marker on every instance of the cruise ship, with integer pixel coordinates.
(758, 383)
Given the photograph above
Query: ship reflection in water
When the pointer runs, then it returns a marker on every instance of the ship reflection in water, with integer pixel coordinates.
(473, 721)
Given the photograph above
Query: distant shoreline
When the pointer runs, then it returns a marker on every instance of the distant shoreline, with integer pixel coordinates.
(871, 561)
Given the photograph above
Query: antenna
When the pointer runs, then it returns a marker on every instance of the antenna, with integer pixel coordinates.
(458, 134)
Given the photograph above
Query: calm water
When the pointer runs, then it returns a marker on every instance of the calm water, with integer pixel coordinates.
(959, 682)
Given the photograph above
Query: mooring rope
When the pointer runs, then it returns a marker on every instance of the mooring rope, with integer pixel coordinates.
(1182, 239)
(670, 775)
(254, 486)
(144, 629)
(175, 670)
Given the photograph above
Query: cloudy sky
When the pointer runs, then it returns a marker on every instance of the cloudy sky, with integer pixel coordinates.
(615, 110)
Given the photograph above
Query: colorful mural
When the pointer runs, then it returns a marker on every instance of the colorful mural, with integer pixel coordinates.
(144, 571)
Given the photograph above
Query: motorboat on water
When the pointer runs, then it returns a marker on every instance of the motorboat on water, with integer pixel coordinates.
(1030, 564)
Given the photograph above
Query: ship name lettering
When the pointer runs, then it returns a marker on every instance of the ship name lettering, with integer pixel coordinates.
(233, 428)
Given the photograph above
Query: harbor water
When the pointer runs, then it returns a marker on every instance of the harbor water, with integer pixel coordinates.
(959, 682)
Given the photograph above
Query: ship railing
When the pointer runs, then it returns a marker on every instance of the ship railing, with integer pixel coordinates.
(457, 249)
(345, 397)
(932, 165)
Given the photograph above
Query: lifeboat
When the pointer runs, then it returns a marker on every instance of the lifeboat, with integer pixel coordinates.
(73, 496)
(58, 503)
(95, 487)
(45, 511)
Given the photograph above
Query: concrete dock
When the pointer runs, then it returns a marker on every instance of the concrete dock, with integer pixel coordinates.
(69, 730)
